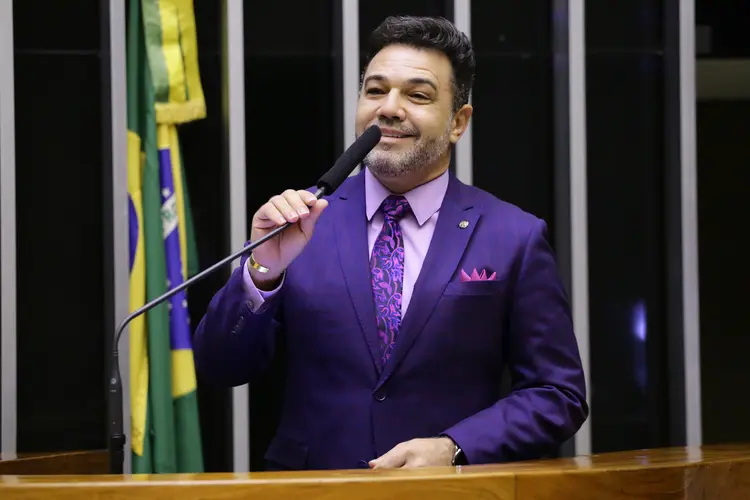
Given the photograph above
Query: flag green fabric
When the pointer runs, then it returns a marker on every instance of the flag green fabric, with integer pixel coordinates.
(165, 425)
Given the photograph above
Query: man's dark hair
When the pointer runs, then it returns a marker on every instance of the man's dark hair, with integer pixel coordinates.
(434, 33)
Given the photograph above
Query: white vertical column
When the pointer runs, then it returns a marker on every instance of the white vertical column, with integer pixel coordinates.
(233, 97)
(350, 71)
(578, 200)
(120, 218)
(8, 375)
(464, 152)
(689, 209)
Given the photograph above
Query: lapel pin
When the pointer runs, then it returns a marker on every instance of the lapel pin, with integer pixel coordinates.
(463, 224)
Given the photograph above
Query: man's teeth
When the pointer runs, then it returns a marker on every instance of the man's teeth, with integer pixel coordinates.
(399, 136)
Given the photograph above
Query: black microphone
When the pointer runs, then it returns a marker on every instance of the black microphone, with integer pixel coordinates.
(328, 183)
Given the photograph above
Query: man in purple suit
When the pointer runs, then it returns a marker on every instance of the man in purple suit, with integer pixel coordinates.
(404, 295)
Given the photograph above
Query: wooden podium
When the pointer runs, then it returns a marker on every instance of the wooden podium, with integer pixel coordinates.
(721, 472)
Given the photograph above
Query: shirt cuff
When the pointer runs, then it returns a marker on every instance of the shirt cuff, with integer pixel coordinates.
(254, 297)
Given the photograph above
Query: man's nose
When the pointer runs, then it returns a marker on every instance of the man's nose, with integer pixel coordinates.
(392, 108)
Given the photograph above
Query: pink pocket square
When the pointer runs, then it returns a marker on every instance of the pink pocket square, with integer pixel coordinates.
(477, 277)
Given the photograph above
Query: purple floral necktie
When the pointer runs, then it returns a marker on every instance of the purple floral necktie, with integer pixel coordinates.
(387, 272)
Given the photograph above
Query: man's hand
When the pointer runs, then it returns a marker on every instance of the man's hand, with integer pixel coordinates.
(425, 452)
(299, 208)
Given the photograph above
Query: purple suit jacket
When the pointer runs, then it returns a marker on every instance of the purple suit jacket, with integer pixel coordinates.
(444, 378)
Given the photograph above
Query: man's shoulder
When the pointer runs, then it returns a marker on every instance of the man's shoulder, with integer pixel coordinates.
(499, 209)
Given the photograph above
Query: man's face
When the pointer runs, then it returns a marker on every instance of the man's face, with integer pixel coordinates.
(408, 93)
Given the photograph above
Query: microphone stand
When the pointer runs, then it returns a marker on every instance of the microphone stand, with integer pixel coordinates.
(116, 431)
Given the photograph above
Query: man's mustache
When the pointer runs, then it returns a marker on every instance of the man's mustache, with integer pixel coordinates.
(401, 130)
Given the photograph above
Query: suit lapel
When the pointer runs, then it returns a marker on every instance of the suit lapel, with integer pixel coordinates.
(351, 238)
(447, 246)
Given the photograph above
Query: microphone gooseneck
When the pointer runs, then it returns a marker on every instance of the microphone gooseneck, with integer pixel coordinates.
(328, 183)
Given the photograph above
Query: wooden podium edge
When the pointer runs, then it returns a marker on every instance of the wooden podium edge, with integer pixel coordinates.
(679, 473)
(62, 463)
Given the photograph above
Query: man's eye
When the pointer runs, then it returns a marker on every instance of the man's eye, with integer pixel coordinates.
(419, 96)
(374, 91)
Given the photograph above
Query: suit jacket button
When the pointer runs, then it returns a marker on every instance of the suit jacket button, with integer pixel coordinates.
(380, 396)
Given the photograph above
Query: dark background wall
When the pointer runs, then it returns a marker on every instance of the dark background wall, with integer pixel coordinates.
(722, 129)
(513, 99)
(723, 207)
(626, 129)
(59, 177)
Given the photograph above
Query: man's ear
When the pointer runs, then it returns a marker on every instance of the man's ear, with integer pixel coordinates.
(460, 122)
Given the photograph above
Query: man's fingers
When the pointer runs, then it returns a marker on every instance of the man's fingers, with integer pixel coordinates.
(391, 460)
(307, 197)
(285, 209)
(296, 202)
(269, 216)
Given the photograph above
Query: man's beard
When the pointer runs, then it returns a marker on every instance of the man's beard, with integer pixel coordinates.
(420, 156)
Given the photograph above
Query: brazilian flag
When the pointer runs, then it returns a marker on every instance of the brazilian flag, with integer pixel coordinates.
(164, 90)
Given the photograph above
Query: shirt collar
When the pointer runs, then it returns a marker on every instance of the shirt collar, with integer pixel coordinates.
(424, 200)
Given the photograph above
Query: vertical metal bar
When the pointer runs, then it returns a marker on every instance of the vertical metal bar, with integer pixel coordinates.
(464, 149)
(337, 35)
(350, 73)
(674, 427)
(449, 12)
(116, 243)
(578, 199)
(233, 96)
(8, 373)
(561, 98)
(690, 290)
(561, 91)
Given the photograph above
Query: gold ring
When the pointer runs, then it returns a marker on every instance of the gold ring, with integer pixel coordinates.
(256, 266)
